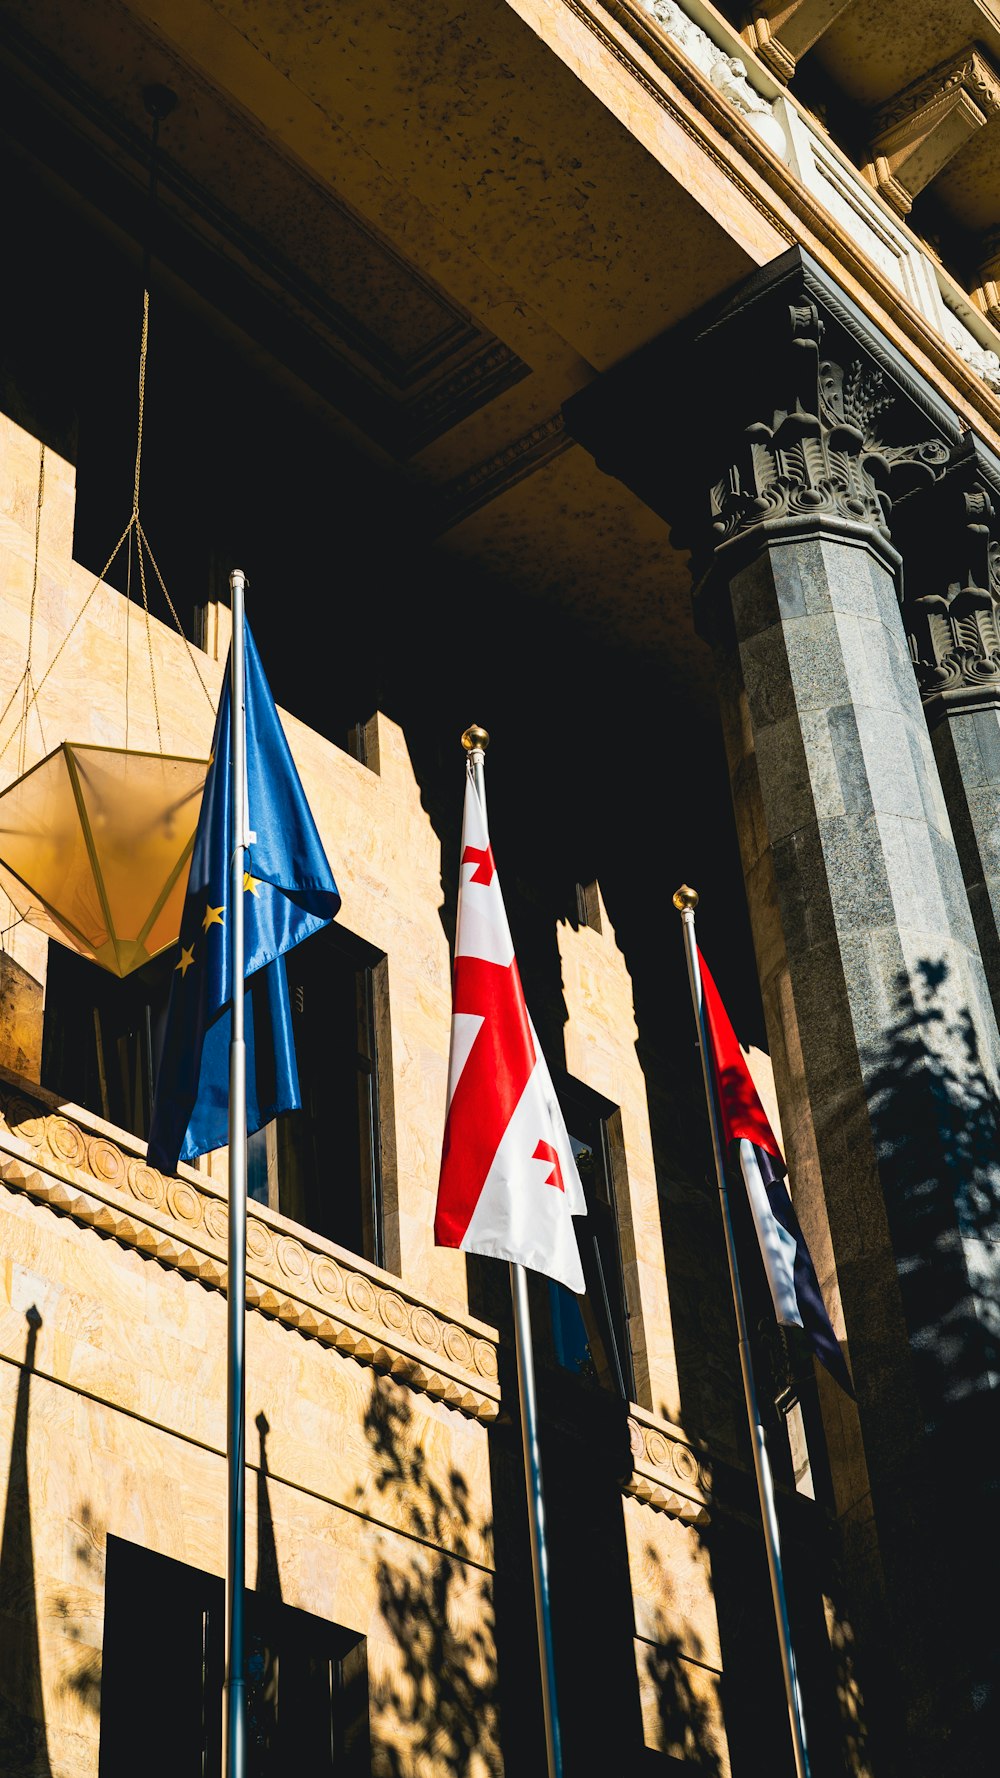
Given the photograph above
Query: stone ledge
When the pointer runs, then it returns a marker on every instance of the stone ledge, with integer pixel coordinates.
(297, 1279)
(667, 1474)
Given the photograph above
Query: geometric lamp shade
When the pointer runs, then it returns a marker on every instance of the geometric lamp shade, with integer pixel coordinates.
(95, 845)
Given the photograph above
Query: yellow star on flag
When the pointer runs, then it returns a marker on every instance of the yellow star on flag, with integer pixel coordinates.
(213, 916)
(250, 884)
(187, 958)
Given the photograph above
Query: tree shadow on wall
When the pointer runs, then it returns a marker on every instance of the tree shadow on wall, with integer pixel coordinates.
(24, 1749)
(936, 1123)
(438, 1708)
(936, 1126)
(83, 1681)
(680, 1691)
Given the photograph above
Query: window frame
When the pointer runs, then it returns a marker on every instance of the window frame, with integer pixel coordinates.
(584, 1107)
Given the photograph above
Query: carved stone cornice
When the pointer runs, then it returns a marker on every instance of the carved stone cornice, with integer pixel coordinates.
(950, 537)
(297, 1279)
(727, 73)
(486, 481)
(782, 30)
(667, 1474)
(920, 130)
(779, 414)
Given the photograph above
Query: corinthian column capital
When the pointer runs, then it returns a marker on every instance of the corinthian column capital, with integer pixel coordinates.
(949, 535)
(779, 414)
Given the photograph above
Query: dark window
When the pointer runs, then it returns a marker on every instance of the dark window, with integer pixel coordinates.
(164, 1632)
(102, 1036)
(322, 1165)
(590, 1333)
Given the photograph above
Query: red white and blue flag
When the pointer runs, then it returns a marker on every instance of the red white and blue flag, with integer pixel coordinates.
(747, 1134)
(509, 1186)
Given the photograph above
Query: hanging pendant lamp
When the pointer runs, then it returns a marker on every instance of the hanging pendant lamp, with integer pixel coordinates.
(95, 842)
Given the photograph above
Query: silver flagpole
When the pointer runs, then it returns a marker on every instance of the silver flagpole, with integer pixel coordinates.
(234, 1696)
(685, 901)
(475, 741)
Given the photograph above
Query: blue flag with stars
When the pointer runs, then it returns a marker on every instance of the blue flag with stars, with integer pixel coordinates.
(288, 892)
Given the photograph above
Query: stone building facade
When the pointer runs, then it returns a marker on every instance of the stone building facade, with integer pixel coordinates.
(623, 376)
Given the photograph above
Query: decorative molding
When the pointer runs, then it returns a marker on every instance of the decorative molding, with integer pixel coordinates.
(727, 74)
(950, 536)
(666, 1474)
(292, 1276)
(985, 363)
(919, 131)
(782, 30)
(490, 369)
(486, 481)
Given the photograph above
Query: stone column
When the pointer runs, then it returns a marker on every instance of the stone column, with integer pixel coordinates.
(949, 535)
(882, 1031)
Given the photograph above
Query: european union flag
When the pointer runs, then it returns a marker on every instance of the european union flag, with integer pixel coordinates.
(288, 892)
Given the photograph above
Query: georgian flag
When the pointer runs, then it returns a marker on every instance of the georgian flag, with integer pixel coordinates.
(509, 1186)
(791, 1275)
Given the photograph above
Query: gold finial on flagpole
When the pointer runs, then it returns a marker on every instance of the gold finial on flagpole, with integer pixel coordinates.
(475, 739)
(685, 897)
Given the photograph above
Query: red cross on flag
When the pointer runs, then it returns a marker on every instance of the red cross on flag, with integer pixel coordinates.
(509, 1186)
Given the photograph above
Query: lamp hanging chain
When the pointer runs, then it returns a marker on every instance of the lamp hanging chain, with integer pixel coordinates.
(134, 521)
(26, 687)
(28, 679)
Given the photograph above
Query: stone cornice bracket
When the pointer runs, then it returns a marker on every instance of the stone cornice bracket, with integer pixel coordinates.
(782, 30)
(986, 294)
(667, 1474)
(919, 131)
(780, 413)
(950, 539)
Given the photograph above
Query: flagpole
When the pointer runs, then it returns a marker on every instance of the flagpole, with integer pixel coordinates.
(234, 1698)
(475, 741)
(685, 901)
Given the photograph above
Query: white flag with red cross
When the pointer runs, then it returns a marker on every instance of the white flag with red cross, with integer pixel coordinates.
(509, 1185)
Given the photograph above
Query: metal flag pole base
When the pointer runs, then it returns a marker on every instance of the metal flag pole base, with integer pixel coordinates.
(536, 1514)
(234, 1715)
(685, 901)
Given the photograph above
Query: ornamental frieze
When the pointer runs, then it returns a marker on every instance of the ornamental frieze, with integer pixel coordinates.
(297, 1280)
(667, 1474)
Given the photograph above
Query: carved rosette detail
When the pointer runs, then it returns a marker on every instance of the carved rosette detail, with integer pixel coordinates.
(90, 1179)
(666, 1475)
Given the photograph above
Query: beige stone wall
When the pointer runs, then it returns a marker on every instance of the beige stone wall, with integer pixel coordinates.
(373, 1405)
(376, 1387)
(385, 854)
(600, 1041)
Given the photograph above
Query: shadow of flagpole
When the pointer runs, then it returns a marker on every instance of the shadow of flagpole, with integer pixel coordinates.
(24, 1749)
(268, 1575)
(263, 1662)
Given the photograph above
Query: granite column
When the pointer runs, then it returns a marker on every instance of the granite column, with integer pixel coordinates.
(881, 1026)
